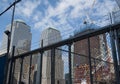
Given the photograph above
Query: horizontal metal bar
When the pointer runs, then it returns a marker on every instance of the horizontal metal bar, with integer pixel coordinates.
(73, 39)
(84, 56)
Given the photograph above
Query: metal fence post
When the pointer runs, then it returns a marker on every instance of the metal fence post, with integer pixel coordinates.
(30, 68)
(11, 65)
(41, 61)
(117, 44)
(114, 55)
(21, 68)
(53, 66)
(69, 59)
(9, 39)
(90, 64)
(14, 61)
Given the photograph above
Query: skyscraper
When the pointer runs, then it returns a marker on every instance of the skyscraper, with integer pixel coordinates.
(21, 39)
(50, 36)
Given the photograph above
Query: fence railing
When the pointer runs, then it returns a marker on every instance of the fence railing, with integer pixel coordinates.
(71, 61)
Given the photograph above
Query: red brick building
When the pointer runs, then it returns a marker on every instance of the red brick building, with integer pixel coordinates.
(81, 47)
(81, 61)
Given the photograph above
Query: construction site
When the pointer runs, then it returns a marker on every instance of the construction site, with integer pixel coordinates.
(89, 54)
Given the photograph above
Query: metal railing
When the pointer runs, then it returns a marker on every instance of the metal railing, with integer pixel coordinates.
(45, 66)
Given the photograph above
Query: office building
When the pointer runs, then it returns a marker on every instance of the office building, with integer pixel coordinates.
(21, 39)
(50, 36)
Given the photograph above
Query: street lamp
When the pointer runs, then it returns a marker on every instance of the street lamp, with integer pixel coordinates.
(8, 33)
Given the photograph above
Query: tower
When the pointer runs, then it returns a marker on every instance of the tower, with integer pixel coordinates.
(21, 39)
(50, 36)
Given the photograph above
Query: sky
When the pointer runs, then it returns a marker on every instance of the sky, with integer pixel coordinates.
(64, 15)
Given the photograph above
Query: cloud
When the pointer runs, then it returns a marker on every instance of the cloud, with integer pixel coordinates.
(3, 5)
(4, 0)
(67, 11)
(37, 16)
(27, 8)
(65, 15)
(0, 43)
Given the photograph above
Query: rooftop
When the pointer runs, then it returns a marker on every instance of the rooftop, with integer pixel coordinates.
(21, 21)
(85, 27)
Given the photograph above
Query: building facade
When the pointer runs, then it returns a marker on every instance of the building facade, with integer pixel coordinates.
(98, 48)
(50, 36)
(81, 47)
(20, 38)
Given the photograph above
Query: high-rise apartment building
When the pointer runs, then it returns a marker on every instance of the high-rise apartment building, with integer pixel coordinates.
(20, 38)
(50, 36)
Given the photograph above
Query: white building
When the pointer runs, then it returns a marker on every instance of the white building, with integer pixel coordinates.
(50, 36)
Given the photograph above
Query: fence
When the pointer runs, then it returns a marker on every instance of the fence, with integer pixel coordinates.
(86, 58)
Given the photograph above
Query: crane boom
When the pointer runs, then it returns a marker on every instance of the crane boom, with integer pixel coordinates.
(87, 13)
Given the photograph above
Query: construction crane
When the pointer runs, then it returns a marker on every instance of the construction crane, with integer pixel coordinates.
(87, 13)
